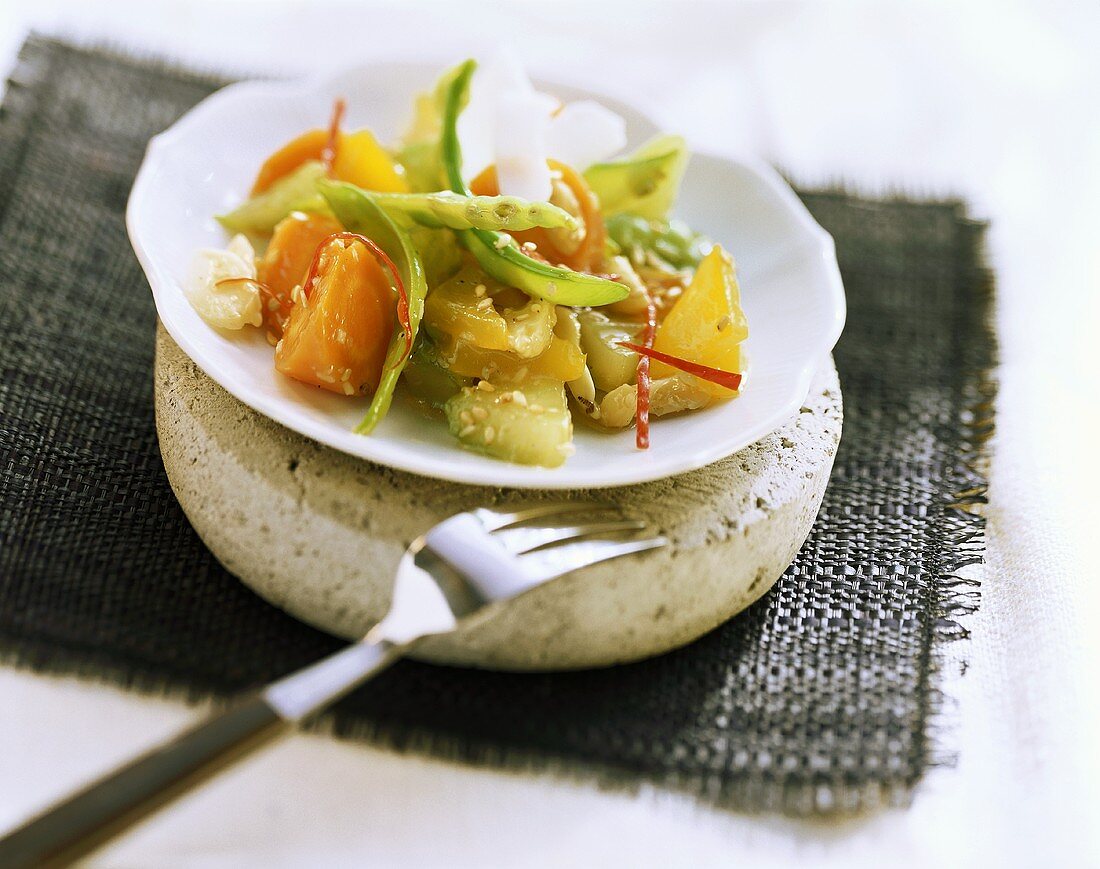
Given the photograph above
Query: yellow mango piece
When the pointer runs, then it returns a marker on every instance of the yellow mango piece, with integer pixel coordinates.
(562, 361)
(706, 325)
(360, 160)
(454, 308)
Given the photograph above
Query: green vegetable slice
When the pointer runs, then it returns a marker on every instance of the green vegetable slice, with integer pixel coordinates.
(294, 192)
(497, 252)
(674, 242)
(644, 183)
(356, 210)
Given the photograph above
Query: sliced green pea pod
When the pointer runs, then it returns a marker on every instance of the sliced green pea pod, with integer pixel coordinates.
(497, 253)
(644, 183)
(357, 211)
(454, 211)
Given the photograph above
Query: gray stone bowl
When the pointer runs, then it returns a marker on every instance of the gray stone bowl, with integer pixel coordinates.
(319, 533)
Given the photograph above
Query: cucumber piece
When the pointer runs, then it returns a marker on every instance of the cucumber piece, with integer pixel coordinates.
(296, 192)
(530, 425)
(428, 381)
(611, 365)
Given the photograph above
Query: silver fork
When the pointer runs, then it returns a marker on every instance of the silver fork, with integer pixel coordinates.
(464, 568)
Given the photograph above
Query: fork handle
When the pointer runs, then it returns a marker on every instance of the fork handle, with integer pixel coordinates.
(107, 807)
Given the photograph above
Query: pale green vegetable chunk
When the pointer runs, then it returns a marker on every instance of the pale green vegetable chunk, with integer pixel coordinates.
(610, 364)
(568, 328)
(529, 424)
(428, 381)
(644, 183)
(294, 192)
(674, 241)
(439, 251)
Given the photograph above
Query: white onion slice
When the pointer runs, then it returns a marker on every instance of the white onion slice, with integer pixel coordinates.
(510, 124)
(585, 132)
(520, 137)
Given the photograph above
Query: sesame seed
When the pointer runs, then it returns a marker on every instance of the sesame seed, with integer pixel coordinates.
(724, 323)
(490, 434)
(479, 413)
(519, 398)
(325, 376)
(346, 376)
(536, 408)
(551, 288)
(485, 304)
(348, 389)
(467, 431)
(485, 386)
(466, 418)
(530, 245)
(480, 290)
(503, 242)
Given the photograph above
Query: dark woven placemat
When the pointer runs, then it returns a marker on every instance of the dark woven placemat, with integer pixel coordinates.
(819, 698)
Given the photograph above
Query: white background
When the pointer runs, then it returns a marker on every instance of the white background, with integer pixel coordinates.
(998, 102)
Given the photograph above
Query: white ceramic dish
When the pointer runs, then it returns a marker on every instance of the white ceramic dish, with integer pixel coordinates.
(204, 163)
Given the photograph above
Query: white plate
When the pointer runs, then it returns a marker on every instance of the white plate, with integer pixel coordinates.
(204, 163)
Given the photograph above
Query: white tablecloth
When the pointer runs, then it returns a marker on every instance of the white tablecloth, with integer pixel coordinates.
(996, 102)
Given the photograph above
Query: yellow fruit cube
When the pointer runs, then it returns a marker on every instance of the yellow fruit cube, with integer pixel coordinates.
(361, 161)
(706, 325)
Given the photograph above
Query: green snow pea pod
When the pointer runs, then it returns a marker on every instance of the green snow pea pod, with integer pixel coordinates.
(356, 210)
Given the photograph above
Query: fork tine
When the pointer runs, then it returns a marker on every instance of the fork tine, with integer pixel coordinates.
(558, 560)
(494, 520)
(521, 540)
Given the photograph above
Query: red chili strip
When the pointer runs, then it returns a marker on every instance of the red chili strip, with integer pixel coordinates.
(328, 155)
(728, 379)
(648, 334)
